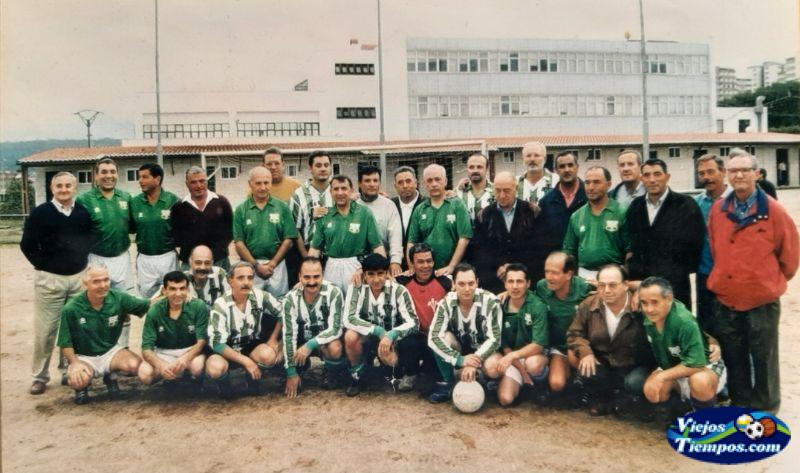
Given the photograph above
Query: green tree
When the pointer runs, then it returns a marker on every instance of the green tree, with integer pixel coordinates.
(13, 199)
(782, 99)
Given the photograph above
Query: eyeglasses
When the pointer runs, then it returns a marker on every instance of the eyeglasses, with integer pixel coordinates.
(611, 285)
(735, 171)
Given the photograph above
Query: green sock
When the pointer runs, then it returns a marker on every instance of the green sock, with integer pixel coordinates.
(334, 365)
(445, 369)
(357, 368)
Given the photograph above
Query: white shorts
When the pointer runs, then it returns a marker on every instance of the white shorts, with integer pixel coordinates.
(278, 283)
(150, 271)
(101, 365)
(339, 271)
(119, 269)
(513, 373)
(722, 379)
(554, 352)
(170, 355)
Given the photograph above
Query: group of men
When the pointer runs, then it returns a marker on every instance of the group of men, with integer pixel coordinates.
(543, 280)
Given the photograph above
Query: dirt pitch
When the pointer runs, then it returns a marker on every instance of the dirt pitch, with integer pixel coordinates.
(156, 430)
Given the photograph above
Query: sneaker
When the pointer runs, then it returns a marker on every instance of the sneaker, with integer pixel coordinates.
(37, 388)
(82, 397)
(355, 386)
(599, 408)
(111, 385)
(406, 383)
(325, 382)
(441, 393)
(492, 385)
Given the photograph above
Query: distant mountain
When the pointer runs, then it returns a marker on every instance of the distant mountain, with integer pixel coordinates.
(11, 151)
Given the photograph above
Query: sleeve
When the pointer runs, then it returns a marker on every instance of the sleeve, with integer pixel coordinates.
(405, 307)
(570, 244)
(318, 240)
(373, 236)
(201, 322)
(414, 235)
(334, 329)
(787, 247)
(624, 236)
(149, 330)
(436, 341)
(218, 328)
(289, 336)
(238, 224)
(296, 207)
(177, 226)
(463, 222)
(353, 321)
(131, 219)
(289, 228)
(395, 229)
(64, 334)
(693, 352)
(226, 225)
(539, 330)
(577, 334)
(31, 243)
(134, 305)
(695, 233)
(494, 317)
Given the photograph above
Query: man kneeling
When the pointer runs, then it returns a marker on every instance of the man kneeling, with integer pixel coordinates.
(243, 330)
(91, 324)
(174, 333)
(380, 314)
(465, 332)
(685, 363)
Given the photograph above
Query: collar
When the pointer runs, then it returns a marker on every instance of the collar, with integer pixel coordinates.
(660, 199)
(99, 193)
(725, 193)
(760, 212)
(211, 196)
(510, 211)
(252, 202)
(410, 204)
(63, 208)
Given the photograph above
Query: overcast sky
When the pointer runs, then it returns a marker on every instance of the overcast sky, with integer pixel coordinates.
(58, 57)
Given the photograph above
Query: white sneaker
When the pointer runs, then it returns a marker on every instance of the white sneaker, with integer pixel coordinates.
(406, 383)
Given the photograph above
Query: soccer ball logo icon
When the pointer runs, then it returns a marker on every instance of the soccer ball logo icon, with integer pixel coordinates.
(755, 430)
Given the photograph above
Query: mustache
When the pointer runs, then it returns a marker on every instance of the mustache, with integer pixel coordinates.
(245, 286)
(311, 286)
(202, 271)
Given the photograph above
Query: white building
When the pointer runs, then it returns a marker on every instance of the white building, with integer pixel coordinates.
(755, 75)
(788, 70)
(726, 83)
(772, 71)
(740, 120)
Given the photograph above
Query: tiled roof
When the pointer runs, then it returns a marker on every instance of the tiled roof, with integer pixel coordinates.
(80, 155)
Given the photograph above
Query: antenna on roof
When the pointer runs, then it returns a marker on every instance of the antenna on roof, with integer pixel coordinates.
(88, 117)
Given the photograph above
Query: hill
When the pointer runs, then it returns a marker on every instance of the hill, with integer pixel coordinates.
(11, 151)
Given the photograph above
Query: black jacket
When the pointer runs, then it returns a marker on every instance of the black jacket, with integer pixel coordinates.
(555, 215)
(56, 243)
(671, 247)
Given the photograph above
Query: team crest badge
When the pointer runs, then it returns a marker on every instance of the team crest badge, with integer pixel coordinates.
(190, 328)
(165, 214)
(329, 225)
(528, 320)
(97, 210)
(112, 321)
(424, 217)
(249, 222)
(354, 227)
(160, 328)
(82, 321)
(123, 205)
(674, 351)
(582, 229)
(612, 225)
(274, 218)
(141, 214)
(451, 218)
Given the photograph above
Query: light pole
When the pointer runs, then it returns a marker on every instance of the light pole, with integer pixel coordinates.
(88, 117)
(382, 136)
(645, 119)
(159, 150)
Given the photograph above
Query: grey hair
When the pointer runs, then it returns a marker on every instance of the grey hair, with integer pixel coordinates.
(434, 168)
(240, 264)
(664, 285)
(194, 170)
(405, 169)
(258, 168)
(537, 144)
(739, 152)
(93, 267)
(64, 173)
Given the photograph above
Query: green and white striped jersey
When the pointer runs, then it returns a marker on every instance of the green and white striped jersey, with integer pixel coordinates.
(476, 204)
(391, 313)
(229, 326)
(479, 331)
(316, 324)
(215, 285)
(534, 192)
(304, 199)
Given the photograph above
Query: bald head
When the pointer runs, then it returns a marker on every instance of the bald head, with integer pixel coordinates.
(260, 180)
(534, 154)
(505, 189)
(201, 261)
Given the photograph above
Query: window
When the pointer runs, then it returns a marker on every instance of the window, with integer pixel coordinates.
(743, 124)
(610, 105)
(675, 152)
(290, 170)
(354, 69)
(228, 172)
(277, 129)
(84, 177)
(337, 169)
(724, 150)
(750, 149)
(508, 157)
(188, 130)
(132, 175)
(653, 154)
(356, 112)
(593, 154)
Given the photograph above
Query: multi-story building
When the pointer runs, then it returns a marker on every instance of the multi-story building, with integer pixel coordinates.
(755, 74)
(726, 83)
(788, 70)
(772, 70)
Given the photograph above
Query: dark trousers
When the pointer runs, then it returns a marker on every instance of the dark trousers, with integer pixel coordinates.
(292, 259)
(749, 342)
(706, 300)
(607, 379)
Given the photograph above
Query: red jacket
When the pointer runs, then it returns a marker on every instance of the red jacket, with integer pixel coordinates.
(753, 258)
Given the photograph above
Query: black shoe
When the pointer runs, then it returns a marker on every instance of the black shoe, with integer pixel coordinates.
(355, 386)
(252, 387)
(82, 397)
(64, 381)
(225, 389)
(112, 385)
(324, 382)
(541, 395)
(441, 393)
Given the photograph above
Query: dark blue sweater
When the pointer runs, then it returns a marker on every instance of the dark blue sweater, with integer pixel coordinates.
(56, 243)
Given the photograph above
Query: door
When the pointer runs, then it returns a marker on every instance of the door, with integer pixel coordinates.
(212, 181)
(782, 164)
(696, 154)
(48, 178)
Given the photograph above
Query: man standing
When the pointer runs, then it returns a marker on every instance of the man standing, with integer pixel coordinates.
(595, 235)
(312, 324)
(379, 317)
(206, 281)
(283, 187)
(244, 330)
(629, 164)
(346, 233)
(465, 333)
(536, 181)
(263, 230)
(711, 174)
(562, 291)
(56, 240)
(90, 331)
(478, 192)
(763, 183)
(505, 232)
(666, 230)
(441, 223)
(151, 213)
(558, 205)
(407, 200)
(754, 243)
(312, 199)
(607, 337)
(202, 218)
(523, 337)
(175, 333)
(386, 216)
(109, 209)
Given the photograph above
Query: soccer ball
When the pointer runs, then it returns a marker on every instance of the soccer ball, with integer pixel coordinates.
(743, 421)
(755, 430)
(468, 397)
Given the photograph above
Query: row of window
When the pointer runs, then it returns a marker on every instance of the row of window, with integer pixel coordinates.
(596, 154)
(541, 106)
(277, 129)
(355, 112)
(354, 69)
(187, 130)
(550, 61)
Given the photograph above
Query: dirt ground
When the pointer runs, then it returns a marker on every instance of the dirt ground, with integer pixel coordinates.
(162, 430)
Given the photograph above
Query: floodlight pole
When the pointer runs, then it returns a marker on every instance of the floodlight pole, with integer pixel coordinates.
(88, 117)
(645, 118)
(382, 137)
(159, 149)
